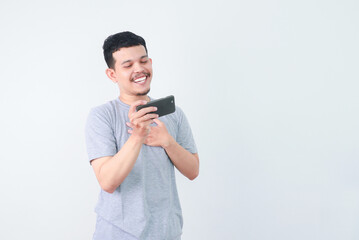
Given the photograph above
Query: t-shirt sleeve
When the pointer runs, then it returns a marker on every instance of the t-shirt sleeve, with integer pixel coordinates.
(185, 136)
(100, 139)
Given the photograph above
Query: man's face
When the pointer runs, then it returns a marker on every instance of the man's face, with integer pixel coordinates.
(133, 70)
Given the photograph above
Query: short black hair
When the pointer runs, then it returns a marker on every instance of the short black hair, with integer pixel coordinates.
(119, 40)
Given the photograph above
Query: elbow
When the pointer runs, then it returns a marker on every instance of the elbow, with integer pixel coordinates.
(108, 188)
(195, 173)
(193, 176)
(109, 185)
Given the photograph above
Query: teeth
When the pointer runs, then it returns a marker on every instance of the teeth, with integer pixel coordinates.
(140, 79)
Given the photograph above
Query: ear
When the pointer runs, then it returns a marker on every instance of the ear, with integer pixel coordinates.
(111, 75)
(150, 60)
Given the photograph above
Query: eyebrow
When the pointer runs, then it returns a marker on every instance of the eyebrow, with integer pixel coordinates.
(144, 56)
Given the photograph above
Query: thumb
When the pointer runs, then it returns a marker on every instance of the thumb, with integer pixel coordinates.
(158, 122)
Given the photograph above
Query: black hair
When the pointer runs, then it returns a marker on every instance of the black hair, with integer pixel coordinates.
(119, 40)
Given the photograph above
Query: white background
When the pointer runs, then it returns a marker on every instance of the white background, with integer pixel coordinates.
(270, 89)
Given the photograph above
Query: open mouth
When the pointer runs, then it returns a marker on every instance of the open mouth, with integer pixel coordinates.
(140, 80)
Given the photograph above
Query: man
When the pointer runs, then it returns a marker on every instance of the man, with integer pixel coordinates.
(133, 154)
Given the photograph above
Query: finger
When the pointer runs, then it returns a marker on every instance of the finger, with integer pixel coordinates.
(149, 121)
(152, 115)
(157, 121)
(129, 131)
(146, 110)
(134, 105)
(129, 124)
(144, 125)
(142, 113)
(144, 119)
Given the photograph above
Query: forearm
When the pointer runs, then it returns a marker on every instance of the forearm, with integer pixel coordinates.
(114, 171)
(185, 162)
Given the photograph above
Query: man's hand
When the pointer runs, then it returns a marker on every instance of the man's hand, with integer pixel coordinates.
(140, 121)
(186, 162)
(158, 136)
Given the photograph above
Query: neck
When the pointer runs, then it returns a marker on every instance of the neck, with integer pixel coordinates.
(131, 99)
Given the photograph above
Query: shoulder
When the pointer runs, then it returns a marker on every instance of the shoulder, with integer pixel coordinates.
(177, 114)
(108, 107)
(176, 117)
(105, 111)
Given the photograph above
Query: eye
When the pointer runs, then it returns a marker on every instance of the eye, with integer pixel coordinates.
(144, 61)
(127, 66)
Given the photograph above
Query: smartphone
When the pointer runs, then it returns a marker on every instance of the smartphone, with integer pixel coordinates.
(164, 105)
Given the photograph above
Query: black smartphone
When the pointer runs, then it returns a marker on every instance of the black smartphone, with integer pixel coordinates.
(164, 105)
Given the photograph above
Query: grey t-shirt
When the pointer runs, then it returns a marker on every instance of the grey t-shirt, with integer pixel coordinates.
(146, 204)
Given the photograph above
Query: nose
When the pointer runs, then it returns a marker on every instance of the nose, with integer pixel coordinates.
(137, 67)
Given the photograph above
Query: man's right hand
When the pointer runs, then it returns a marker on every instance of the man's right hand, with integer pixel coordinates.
(140, 121)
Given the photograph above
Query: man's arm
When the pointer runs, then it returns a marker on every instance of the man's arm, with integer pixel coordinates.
(112, 170)
(186, 162)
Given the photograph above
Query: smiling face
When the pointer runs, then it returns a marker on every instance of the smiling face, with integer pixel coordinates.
(132, 71)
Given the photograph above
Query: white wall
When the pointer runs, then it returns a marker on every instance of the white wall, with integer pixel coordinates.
(270, 89)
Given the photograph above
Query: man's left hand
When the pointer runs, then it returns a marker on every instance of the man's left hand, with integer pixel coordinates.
(158, 136)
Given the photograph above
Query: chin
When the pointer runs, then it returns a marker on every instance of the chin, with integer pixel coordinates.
(143, 93)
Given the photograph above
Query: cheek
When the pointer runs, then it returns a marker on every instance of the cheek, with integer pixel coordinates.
(125, 75)
(149, 67)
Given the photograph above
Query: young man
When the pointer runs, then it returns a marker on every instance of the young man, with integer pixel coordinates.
(133, 154)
